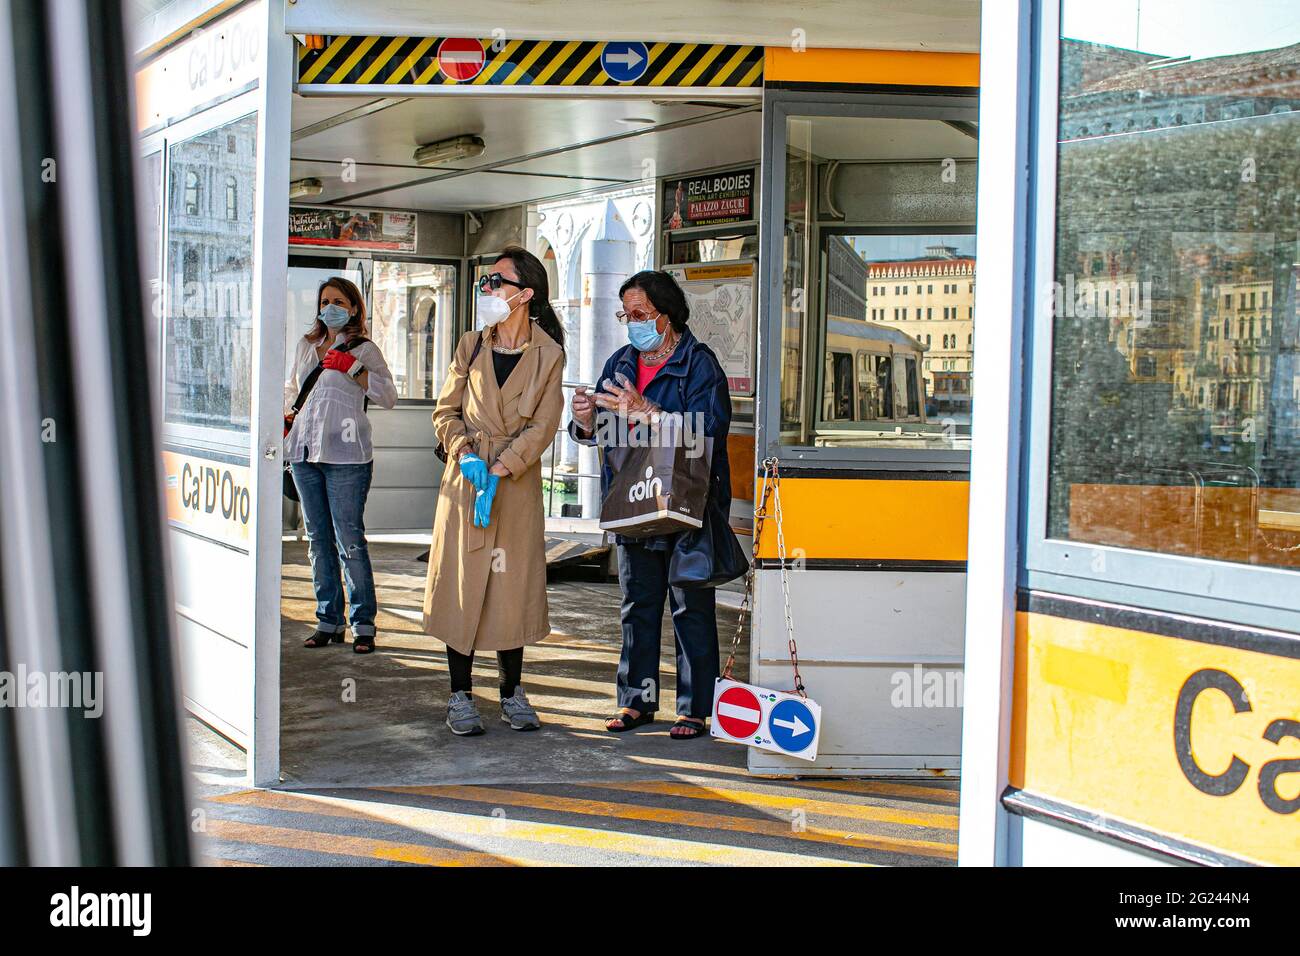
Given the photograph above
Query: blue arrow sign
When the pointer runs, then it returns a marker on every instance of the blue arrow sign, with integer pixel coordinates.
(792, 725)
(625, 62)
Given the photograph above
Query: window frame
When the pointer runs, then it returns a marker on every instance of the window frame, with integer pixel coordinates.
(1252, 595)
(778, 106)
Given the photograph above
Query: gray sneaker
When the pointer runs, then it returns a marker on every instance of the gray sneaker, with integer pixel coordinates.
(462, 715)
(518, 713)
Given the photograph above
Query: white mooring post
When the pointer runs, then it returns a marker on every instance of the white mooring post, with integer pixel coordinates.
(608, 257)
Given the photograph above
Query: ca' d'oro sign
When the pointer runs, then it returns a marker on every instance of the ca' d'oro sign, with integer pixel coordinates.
(709, 200)
(211, 498)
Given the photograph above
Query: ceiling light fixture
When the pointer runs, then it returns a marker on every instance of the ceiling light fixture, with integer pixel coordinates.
(308, 188)
(450, 150)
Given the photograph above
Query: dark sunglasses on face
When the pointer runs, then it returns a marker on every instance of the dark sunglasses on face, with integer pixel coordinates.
(495, 280)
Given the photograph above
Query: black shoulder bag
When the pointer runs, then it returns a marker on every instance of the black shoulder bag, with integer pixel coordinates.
(440, 451)
(290, 489)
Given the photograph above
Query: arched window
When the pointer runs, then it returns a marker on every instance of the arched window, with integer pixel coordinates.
(191, 193)
(190, 269)
(232, 198)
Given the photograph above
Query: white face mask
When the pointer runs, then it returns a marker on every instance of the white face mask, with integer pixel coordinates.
(492, 309)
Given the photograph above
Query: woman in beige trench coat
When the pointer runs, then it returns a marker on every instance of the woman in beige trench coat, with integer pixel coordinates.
(497, 414)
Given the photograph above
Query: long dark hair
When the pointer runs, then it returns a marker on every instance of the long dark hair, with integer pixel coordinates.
(356, 325)
(532, 275)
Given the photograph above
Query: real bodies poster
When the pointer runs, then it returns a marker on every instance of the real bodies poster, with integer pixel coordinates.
(709, 200)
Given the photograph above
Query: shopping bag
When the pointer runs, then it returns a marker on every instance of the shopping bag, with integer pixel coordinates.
(660, 480)
(708, 557)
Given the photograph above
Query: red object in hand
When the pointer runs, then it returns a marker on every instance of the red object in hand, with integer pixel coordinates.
(338, 361)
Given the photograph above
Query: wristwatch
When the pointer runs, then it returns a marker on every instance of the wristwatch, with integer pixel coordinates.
(356, 369)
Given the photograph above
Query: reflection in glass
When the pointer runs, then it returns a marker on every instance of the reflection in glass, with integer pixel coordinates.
(413, 321)
(887, 303)
(208, 322)
(1174, 302)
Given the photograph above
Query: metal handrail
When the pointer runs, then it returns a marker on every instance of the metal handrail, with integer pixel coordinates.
(562, 429)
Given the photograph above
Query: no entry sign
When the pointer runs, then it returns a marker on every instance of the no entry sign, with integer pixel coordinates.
(738, 713)
(768, 719)
(460, 59)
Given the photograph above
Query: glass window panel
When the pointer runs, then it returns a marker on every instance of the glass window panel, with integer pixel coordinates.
(304, 284)
(868, 286)
(1175, 376)
(413, 321)
(208, 320)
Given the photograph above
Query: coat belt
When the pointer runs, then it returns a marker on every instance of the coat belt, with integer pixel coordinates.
(486, 446)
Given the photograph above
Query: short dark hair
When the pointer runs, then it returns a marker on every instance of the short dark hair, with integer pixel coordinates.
(664, 294)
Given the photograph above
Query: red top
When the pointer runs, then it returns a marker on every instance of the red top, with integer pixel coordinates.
(644, 373)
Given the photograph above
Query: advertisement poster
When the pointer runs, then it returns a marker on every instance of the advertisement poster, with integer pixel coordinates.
(709, 200)
(352, 229)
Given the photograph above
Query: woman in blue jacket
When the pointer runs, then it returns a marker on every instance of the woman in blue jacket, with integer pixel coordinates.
(664, 368)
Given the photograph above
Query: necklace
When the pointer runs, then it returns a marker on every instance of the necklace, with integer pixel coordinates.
(657, 356)
(504, 350)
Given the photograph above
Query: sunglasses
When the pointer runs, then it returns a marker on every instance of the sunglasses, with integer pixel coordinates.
(636, 315)
(495, 280)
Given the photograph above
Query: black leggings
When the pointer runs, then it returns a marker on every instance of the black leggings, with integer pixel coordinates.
(510, 668)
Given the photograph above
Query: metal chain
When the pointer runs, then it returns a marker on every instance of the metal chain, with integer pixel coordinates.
(771, 491)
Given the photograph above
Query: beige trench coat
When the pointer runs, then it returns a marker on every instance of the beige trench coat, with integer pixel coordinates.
(486, 588)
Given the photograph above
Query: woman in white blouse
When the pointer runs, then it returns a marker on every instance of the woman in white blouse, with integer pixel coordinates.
(330, 454)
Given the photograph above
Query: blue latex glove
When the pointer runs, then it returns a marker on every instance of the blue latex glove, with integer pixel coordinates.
(483, 502)
(475, 469)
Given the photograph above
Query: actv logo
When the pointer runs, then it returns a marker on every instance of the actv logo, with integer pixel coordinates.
(649, 487)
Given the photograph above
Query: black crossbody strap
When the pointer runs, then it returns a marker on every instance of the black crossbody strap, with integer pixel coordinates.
(310, 381)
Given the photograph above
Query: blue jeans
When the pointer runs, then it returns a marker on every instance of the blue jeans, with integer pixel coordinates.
(643, 574)
(333, 499)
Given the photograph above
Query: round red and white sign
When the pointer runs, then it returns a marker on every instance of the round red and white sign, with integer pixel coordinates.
(460, 59)
(738, 713)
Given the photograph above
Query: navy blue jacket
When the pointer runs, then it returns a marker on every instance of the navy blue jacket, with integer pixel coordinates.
(692, 380)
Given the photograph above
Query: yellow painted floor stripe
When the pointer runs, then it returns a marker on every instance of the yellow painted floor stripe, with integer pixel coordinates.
(323, 60)
(675, 62)
(404, 68)
(446, 823)
(688, 818)
(389, 51)
(880, 788)
(362, 49)
(730, 65)
(885, 789)
(754, 799)
(557, 60)
(288, 838)
(702, 65)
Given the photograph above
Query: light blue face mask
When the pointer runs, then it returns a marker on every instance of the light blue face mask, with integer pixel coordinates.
(335, 316)
(644, 337)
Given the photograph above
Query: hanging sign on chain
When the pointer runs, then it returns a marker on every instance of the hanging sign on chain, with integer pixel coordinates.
(767, 719)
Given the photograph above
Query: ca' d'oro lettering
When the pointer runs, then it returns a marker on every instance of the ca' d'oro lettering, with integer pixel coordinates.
(1230, 780)
(213, 489)
(77, 909)
(648, 487)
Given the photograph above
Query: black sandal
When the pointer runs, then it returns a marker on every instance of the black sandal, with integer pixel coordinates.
(697, 730)
(628, 721)
(363, 645)
(321, 639)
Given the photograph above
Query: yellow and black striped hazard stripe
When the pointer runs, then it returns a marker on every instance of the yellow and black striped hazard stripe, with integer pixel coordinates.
(412, 61)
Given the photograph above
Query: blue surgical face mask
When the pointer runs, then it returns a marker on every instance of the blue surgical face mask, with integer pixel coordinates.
(643, 335)
(335, 316)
